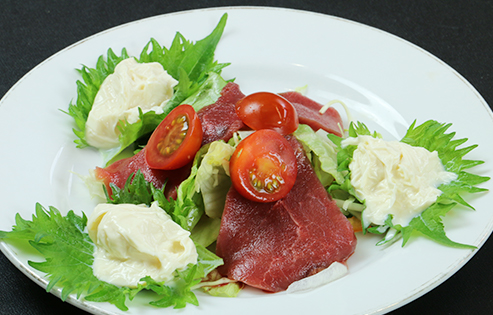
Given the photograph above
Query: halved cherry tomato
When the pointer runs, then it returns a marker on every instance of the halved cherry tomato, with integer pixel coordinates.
(176, 140)
(265, 110)
(263, 167)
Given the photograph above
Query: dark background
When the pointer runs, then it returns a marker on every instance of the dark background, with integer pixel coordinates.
(458, 32)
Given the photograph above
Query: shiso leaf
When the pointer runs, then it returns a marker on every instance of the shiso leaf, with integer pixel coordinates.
(189, 63)
(68, 253)
(432, 136)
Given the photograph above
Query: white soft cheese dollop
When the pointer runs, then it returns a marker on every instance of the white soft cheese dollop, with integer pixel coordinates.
(395, 178)
(132, 85)
(134, 241)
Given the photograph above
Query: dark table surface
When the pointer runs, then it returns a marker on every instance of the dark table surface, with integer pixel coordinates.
(458, 32)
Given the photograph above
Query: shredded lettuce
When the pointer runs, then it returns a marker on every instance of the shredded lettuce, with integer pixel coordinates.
(192, 64)
(432, 136)
(212, 178)
(206, 231)
(322, 152)
(205, 190)
(216, 285)
(223, 290)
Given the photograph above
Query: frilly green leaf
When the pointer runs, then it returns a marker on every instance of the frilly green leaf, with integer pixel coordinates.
(432, 136)
(189, 63)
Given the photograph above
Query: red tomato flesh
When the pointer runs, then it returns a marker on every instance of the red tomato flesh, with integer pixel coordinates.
(176, 140)
(265, 110)
(263, 167)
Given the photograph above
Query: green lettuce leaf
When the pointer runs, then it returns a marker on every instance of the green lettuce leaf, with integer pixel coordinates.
(323, 154)
(216, 285)
(212, 179)
(225, 290)
(342, 189)
(204, 192)
(188, 207)
(206, 231)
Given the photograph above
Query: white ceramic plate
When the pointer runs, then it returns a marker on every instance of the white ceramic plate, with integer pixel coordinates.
(385, 81)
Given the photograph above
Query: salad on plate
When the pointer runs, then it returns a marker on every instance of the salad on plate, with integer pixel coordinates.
(206, 188)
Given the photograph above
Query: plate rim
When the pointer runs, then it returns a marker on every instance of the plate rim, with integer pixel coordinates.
(40, 280)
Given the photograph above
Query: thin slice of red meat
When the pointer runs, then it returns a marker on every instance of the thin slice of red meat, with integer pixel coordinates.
(271, 245)
(309, 113)
(219, 120)
(119, 171)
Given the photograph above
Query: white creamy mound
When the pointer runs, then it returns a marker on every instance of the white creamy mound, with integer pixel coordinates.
(134, 241)
(395, 178)
(132, 85)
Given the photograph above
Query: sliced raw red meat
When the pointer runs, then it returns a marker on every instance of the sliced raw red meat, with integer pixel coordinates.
(271, 245)
(219, 120)
(119, 171)
(309, 113)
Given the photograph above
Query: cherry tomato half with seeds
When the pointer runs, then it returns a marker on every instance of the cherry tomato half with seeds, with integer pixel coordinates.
(265, 110)
(263, 167)
(176, 140)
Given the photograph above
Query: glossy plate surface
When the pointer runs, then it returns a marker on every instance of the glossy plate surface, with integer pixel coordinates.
(386, 82)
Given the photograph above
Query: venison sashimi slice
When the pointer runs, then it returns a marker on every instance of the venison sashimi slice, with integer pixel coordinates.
(219, 120)
(309, 113)
(271, 245)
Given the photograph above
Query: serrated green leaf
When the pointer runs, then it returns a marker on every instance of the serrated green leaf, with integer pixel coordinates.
(189, 63)
(429, 223)
(67, 249)
(111, 294)
(135, 191)
(432, 136)
(69, 255)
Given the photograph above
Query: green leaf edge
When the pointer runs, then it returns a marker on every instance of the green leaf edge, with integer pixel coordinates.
(190, 78)
(84, 283)
(432, 136)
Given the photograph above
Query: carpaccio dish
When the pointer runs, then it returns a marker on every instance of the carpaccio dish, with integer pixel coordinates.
(229, 189)
(264, 245)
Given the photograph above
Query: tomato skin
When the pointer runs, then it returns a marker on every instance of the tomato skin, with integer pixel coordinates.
(263, 167)
(265, 110)
(176, 140)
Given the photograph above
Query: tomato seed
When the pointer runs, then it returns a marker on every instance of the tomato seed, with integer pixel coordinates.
(171, 141)
(275, 184)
